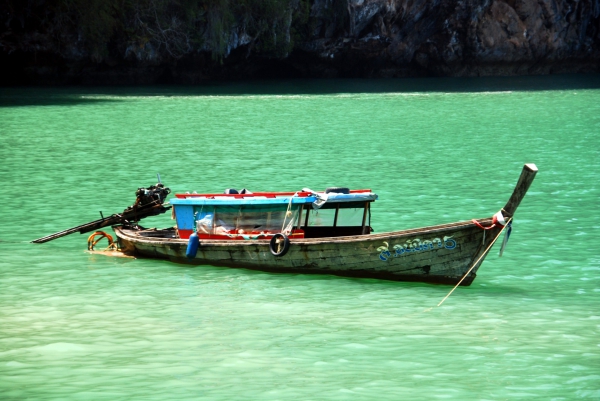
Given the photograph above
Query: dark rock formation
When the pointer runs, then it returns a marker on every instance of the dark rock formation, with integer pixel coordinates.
(157, 41)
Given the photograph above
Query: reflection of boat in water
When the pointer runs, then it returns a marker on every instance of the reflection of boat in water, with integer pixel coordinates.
(318, 232)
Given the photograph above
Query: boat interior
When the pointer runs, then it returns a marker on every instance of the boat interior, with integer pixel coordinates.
(244, 216)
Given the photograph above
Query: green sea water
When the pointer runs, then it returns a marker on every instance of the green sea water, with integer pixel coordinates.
(80, 326)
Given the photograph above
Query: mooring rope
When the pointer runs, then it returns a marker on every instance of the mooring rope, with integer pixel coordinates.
(477, 261)
(288, 213)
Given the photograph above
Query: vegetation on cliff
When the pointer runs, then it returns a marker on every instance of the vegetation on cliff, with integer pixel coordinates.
(172, 28)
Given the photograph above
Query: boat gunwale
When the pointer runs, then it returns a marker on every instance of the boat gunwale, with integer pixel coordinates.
(125, 232)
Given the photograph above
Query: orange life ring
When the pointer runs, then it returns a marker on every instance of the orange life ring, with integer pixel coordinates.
(92, 242)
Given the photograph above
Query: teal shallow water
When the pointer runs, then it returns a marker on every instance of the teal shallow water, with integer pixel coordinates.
(79, 326)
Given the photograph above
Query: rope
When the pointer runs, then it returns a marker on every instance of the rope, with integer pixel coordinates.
(111, 247)
(92, 241)
(497, 220)
(477, 261)
(288, 213)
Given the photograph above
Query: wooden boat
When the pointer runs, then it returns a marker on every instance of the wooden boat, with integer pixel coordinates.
(324, 232)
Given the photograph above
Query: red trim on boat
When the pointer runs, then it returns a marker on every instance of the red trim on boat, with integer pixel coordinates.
(261, 194)
(234, 235)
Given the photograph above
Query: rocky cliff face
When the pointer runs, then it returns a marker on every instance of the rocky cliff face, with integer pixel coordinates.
(316, 38)
(459, 38)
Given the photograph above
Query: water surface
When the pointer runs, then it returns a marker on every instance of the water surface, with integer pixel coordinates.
(80, 326)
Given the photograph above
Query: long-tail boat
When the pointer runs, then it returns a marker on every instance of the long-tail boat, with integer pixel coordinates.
(323, 232)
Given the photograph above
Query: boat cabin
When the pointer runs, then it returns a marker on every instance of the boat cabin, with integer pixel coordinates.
(303, 214)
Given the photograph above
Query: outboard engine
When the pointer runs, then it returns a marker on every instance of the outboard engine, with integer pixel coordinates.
(155, 193)
(149, 202)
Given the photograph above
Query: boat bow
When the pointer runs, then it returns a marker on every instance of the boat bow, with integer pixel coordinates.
(527, 175)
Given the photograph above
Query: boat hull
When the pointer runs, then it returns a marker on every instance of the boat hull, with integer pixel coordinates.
(437, 254)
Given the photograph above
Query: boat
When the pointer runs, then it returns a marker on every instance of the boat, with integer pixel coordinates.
(317, 232)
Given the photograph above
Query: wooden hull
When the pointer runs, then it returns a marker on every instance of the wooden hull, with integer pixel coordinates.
(436, 254)
(447, 253)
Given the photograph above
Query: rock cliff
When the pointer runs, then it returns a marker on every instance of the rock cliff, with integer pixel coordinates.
(159, 41)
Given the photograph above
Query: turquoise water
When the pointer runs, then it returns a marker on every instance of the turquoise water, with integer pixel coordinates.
(77, 326)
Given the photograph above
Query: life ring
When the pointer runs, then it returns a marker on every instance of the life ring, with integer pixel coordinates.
(92, 241)
(275, 244)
